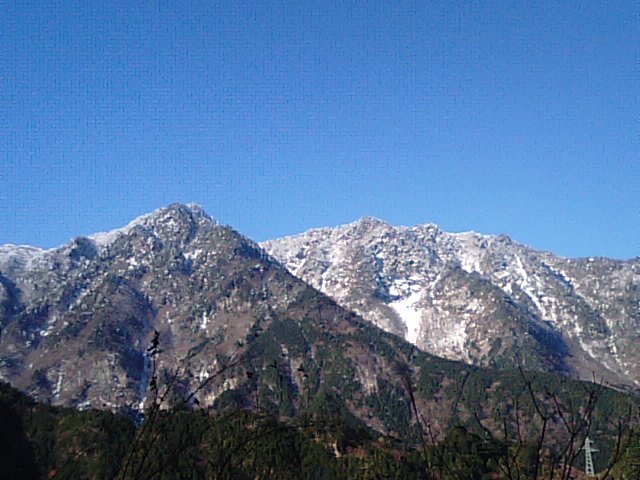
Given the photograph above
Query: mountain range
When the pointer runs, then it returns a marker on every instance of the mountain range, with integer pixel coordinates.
(485, 300)
(176, 301)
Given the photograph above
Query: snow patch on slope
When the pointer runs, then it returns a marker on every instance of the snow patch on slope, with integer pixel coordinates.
(103, 239)
(407, 308)
(20, 256)
(467, 250)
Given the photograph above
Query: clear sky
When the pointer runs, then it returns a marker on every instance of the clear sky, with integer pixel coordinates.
(499, 117)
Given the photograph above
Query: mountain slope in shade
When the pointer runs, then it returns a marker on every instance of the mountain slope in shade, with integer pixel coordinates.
(485, 300)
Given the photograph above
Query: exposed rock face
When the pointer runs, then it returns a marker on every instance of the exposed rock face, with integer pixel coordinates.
(485, 300)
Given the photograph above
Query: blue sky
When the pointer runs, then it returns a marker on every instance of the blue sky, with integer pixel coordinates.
(499, 117)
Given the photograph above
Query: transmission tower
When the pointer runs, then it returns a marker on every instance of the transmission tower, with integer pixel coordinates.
(588, 460)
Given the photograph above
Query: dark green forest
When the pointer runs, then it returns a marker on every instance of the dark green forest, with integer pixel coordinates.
(41, 441)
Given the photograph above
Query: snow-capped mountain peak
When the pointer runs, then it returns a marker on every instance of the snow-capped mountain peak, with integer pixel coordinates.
(478, 298)
(165, 220)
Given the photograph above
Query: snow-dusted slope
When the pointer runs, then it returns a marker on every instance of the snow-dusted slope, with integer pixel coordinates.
(75, 321)
(481, 299)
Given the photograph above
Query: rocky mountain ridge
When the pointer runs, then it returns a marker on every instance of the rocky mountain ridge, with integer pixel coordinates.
(176, 303)
(482, 299)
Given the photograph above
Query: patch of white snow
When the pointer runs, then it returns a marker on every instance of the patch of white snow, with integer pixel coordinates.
(204, 321)
(103, 239)
(409, 313)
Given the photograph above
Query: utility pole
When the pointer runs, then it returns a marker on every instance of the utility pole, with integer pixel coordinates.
(588, 460)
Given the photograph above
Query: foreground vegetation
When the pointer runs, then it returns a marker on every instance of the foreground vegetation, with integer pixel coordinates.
(39, 441)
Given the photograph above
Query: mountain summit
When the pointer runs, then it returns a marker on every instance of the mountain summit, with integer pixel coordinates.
(76, 321)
